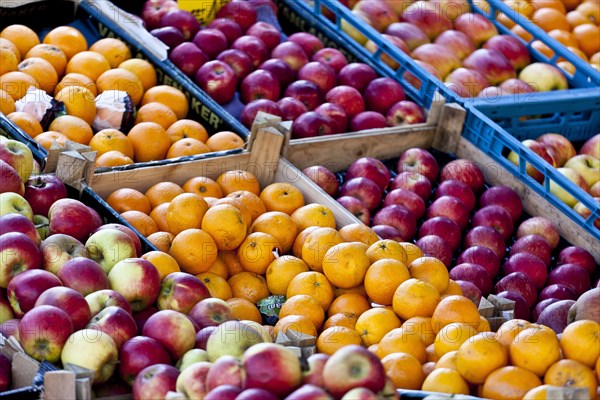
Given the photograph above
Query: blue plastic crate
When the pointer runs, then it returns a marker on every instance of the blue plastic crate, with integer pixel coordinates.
(494, 141)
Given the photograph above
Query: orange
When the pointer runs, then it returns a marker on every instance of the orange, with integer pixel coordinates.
(598, 369)
(313, 284)
(479, 356)
(8, 62)
(7, 45)
(346, 264)
(412, 251)
(420, 326)
(7, 104)
(360, 289)
(505, 20)
(507, 332)
(73, 127)
(16, 84)
(143, 69)
(296, 323)
(564, 37)
(149, 132)
(23, 37)
(232, 261)
(535, 349)
(571, 373)
(111, 139)
(522, 7)
(345, 320)
(448, 360)
(445, 380)
(79, 102)
(186, 147)
(455, 309)
(578, 53)
(185, 211)
(431, 356)
(244, 210)
(415, 298)
(194, 250)
(375, 323)
(282, 197)
(249, 286)
(126, 199)
(430, 270)
(169, 96)
(219, 267)
(542, 48)
(46, 139)
(186, 128)
(226, 225)
(588, 38)
(224, 140)
(351, 303)
(232, 181)
(52, 54)
(281, 271)
(279, 225)
(305, 305)
(484, 325)
(334, 338)
(88, 63)
(216, 285)
(358, 233)
(121, 79)
(300, 239)
(404, 370)
(254, 205)
(522, 33)
(580, 341)
(549, 19)
(203, 186)
(68, 39)
(313, 215)
(159, 215)
(244, 310)
(42, 71)
(140, 221)
(162, 192)
(451, 337)
(400, 341)
(537, 393)
(509, 383)
(76, 80)
(556, 4)
(161, 240)
(316, 245)
(27, 122)
(164, 263)
(156, 112)
(257, 252)
(386, 248)
(567, 67)
(114, 50)
(575, 18)
(453, 288)
(590, 9)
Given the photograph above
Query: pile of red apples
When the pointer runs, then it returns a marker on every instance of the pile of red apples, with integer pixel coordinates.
(479, 233)
(299, 79)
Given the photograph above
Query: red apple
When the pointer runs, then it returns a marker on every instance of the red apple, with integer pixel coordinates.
(11, 181)
(260, 84)
(418, 160)
(555, 316)
(464, 171)
(43, 332)
(105, 298)
(70, 301)
(18, 156)
(495, 217)
(218, 80)
(211, 312)
(522, 308)
(281, 70)
(411, 34)
(138, 353)
(155, 381)
(292, 53)
(559, 147)
(475, 274)
(305, 91)
(533, 244)
(239, 62)
(356, 75)
(591, 146)
(540, 226)
(467, 82)
(153, 10)
(115, 322)
(57, 249)
(572, 276)
(435, 246)
(438, 56)
(170, 36)
(387, 232)
(512, 48)
(172, 330)
(183, 20)
(504, 197)
(416, 82)
(83, 275)
(188, 58)
(265, 32)
(385, 58)
(25, 288)
(291, 108)
(541, 306)
(14, 222)
(271, 367)
(357, 208)
(251, 109)
(5, 373)
(470, 291)
(192, 380)
(557, 291)
(242, 12)
(256, 394)
(372, 168)
(367, 120)
(379, 13)
(323, 177)
(476, 26)
(530, 265)
(488, 237)
(451, 208)
(412, 201)
(142, 316)
(382, 93)
(137, 280)
(520, 283)
(537, 148)
(427, 17)
(314, 374)
(224, 392)
(136, 239)
(309, 42)
(459, 190)
(348, 98)
(405, 112)
(483, 256)
(336, 113)
(443, 227)
(461, 44)
(579, 256)
(331, 57)
(10, 327)
(413, 181)
(364, 189)
(312, 124)
(229, 27)
(227, 370)
(202, 336)
(70, 217)
(515, 86)
(320, 74)
(492, 64)
(97, 220)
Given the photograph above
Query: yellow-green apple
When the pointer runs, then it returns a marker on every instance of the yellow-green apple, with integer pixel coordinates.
(138, 353)
(405, 112)
(260, 84)
(367, 120)
(495, 217)
(101, 299)
(530, 264)
(559, 147)
(239, 62)
(83, 275)
(464, 171)
(229, 27)
(353, 366)
(382, 93)
(572, 276)
(451, 208)
(492, 64)
(371, 168)
(136, 239)
(109, 246)
(11, 181)
(224, 392)
(190, 357)
(5, 373)
(586, 307)
(388, 60)
(416, 82)
(290, 108)
(155, 381)
(305, 91)
(540, 150)
(192, 381)
(458, 42)
(544, 77)
(486, 236)
(115, 322)
(414, 182)
(511, 48)
(42, 225)
(44, 331)
(211, 311)
(272, 367)
(443, 227)
(348, 98)
(565, 194)
(18, 156)
(231, 338)
(365, 190)
(323, 177)
(41, 191)
(153, 10)
(427, 17)
(588, 166)
(520, 283)
(356, 207)
(11, 202)
(410, 34)
(452, 8)
(577, 255)
(540, 226)
(557, 291)
(331, 57)
(227, 370)
(483, 256)
(351, 31)
(218, 80)
(137, 280)
(281, 70)
(25, 288)
(255, 106)
(476, 26)
(202, 336)
(188, 58)
(459, 190)
(6, 311)
(379, 13)
(467, 82)
(418, 160)
(181, 291)
(357, 75)
(57, 249)
(438, 56)
(399, 217)
(68, 300)
(242, 12)
(320, 74)
(18, 253)
(211, 41)
(435, 246)
(309, 42)
(183, 20)
(173, 330)
(412, 201)
(591, 146)
(265, 330)
(314, 374)
(291, 53)
(16, 222)
(504, 197)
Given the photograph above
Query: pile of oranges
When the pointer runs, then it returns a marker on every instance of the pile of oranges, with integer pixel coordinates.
(346, 286)
(574, 23)
(65, 68)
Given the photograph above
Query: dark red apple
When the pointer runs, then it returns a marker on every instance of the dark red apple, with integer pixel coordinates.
(557, 291)
(153, 10)
(24, 289)
(312, 124)
(511, 48)
(255, 48)
(229, 27)
(530, 265)
(324, 178)
(414, 182)
(5, 373)
(464, 171)
(387, 232)
(211, 41)
(260, 84)
(357, 208)
(242, 12)
(540, 226)
(15, 222)
(291, 108)
(138, 353)
(202, 336)
(211, 312)
(155, 381)
(357, 75)
(412, 201)
(238, 61)
(305, 91)
(281, 70)
(183, 20)
(251, 109)
(70, 217)
(223, 392)
(435, 246)
(218, 80)
(97, 220)
(459, 190)
(579, 256)
(492, 64)
(555, 316)
(533, 244)
(320, 74)
(504, 197)
(520, 283)
(522, 309)
(470, 291)
(170, 36)
(332, 57)
(451, 208)
(382, 93)
(365, 190)
(265, 32)
(495, 217)
(474, 273)
(372, 168)
(540, 306)
(487, 237)
(256, 394)
(68, 300)
(405, 112)
(367, 120)
(41, 191)
(483, 256)
(292, 53)
(571, 275)
(348, 98)
(336, 113)
(443, 227)
(309, 42)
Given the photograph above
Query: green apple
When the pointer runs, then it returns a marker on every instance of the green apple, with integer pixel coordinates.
(561, 192)
(18, 155)
(11, 202)
(587, 166)
(232, 338)
(190, 357)
(260, 329)
(544, 77)
(109, 246)
(94, 350)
